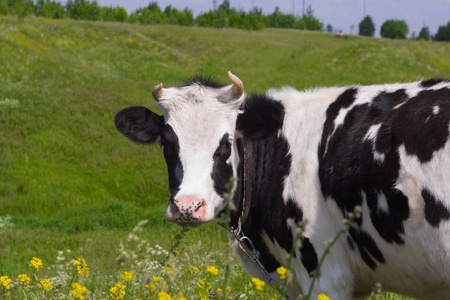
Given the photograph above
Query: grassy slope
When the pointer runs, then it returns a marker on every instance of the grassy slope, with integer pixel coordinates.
(69, 180)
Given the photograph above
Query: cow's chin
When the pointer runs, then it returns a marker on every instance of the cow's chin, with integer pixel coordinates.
(187, 223)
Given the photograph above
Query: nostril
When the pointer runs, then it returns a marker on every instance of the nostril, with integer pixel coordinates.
(199, 205)
(174, 211)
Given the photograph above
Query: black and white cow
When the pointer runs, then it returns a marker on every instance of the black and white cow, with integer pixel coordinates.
(315, 155)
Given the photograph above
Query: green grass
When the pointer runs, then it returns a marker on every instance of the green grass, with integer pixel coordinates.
(69, 180)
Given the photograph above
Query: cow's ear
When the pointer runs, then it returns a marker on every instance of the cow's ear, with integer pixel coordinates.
(261, 117)
(139, 124)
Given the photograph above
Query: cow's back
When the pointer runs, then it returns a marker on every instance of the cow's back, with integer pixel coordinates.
(385, 149)
(389, 153)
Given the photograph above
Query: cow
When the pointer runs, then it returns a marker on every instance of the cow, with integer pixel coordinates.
(316, 156)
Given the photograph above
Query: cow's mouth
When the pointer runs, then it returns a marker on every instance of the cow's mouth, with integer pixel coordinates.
(188, 224)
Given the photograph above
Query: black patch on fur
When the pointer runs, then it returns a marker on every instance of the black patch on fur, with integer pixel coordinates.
(222, 171)
(367, 247)
(169, 142)
(427, 83)
(262, 117)
(343, 101)
(330, 165)
(308, 256)
(139, 124)
(418, 128)
(348, 170)
(350, 243)
(435, 211)
(206, 81)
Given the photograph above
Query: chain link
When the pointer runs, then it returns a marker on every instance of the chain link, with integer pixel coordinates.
(254, 256)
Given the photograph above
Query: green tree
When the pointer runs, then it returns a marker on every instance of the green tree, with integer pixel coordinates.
(234, 19)
(53, 10)
(177, 17)
(133, 18)
(208, 19)
(83, 10)
(257, 20)
(222, 18)
(117, 14)
(329, 28)
(308, 21)
(106, 13)
(367, 27)
(4, 7)
(280, 20)
(152, 14)
(21, 8)
(394, 29)
(424, 34)
(120, 14)
(443, 33)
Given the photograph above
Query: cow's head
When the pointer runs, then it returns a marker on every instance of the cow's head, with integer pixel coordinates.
(197, 132)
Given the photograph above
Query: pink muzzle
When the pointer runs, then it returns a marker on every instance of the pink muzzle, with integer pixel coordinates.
(187, 209)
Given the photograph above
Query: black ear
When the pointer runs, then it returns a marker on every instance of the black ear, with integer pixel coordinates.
(262, 117)
(139, 124)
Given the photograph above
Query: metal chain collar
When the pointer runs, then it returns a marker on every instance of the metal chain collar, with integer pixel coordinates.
(241, 237)
(254, 256)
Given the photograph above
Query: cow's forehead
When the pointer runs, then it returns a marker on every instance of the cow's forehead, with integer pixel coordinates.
(176, 98)
(197, 114)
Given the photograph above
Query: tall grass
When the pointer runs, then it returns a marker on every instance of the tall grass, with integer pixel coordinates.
(68, 180)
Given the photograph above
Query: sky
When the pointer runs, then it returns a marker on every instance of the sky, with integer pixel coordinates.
(341, 14)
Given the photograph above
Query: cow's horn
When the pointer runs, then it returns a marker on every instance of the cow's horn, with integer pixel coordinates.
(238, 86)
(157, 91)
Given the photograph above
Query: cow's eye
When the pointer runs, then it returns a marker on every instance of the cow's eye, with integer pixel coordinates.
(224, 150)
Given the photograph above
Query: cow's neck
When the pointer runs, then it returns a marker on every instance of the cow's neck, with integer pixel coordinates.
(263, 166)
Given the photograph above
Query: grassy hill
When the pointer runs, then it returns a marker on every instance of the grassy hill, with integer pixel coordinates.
(69, 180)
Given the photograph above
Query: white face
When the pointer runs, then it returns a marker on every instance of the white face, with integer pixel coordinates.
(198, 142)
(197, 135)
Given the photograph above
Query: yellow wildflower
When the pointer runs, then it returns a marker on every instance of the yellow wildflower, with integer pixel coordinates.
(209, 285)
(164, 296)
(128, 276)
(323, 297)
(5, 281)
(212, 270)
(169, 268)
(200, 283)
(46, 284)
(193, 270)
(24, 279)
(258, 283)
(203, 297)
(78, 290)
(282, 271)
(151, 287)
(36, 263)
(117, 291)
(138, 299)
(227, 289)
(181, 298)
(155, 278)
(81, 266)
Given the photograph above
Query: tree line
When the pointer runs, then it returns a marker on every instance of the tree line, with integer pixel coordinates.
(398, 29)
(224, 17)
